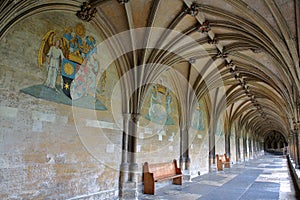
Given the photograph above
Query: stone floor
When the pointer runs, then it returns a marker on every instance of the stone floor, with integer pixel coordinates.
(264, 178)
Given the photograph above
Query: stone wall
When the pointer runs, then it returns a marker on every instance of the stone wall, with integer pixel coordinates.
(50, 150)
(199, 151)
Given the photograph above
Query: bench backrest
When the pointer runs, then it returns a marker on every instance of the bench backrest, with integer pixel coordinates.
(162, 169)
(223, 158)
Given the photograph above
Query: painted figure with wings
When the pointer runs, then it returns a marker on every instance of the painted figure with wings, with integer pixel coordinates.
(52, 54)
(69, 52)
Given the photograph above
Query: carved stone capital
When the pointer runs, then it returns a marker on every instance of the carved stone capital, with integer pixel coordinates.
(135, 117)
(126, 116)
(204, 27)
(193, 10)
(86, 12)
(222, 55)
(123, 1)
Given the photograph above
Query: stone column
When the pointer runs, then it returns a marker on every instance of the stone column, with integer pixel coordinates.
(257, 147)
(129, 189)
(296, 146)
(124, 168)
(187, 151)
(212, 151)
(182, 150)
(237, 148)
(254, 147)
(132, 146)
(184, 159)
(291, 146)
(245, 148)
(227, 145)
(250, 148)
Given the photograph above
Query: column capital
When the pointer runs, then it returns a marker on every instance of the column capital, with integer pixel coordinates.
(123, 1)
(193, 10)
(135, 117)
(86, 12)
(296, 125)
(126, 115)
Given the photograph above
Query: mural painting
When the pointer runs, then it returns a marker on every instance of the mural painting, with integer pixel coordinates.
(198, 118)
(74, 76)
(160, 109)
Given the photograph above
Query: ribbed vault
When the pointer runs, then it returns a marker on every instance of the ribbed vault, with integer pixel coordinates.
(253, 48)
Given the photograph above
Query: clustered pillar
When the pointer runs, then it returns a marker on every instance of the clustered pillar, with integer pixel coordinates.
(129, 167)
(237, 147)
(227, 144)
(294, 146)
(212, 151)
(184, 159)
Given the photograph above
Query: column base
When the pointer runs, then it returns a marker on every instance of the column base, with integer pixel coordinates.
(124, 172)
(128, 191)
(297, 166)
(181, 163)
(187, 177)
(133, 168)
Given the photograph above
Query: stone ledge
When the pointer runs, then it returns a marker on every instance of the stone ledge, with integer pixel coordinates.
(295, 173)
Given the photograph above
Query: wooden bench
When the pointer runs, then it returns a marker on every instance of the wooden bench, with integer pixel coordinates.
(222, 160)
(160, 172)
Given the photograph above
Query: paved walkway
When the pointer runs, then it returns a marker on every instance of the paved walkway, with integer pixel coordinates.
(266, 178)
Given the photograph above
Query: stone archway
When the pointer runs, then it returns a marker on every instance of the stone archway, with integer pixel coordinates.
(275, 142)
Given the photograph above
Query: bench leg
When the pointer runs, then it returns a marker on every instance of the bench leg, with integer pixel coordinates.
(149, 186)
(177, 181)
(227, 165)
(220, 166)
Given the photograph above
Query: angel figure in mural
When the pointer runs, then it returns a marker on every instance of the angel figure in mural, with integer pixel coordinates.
(52, 52)
(68, 55)
(55, 56)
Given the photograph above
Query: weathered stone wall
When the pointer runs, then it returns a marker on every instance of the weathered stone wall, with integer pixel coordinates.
(54, 151)
(50, 150)
(199, 151)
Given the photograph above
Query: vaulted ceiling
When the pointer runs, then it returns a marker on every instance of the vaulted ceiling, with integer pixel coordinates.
(250, 48)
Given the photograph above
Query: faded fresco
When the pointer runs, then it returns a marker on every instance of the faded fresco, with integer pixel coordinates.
(73, 73)
(198, 118)
(160, 105)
